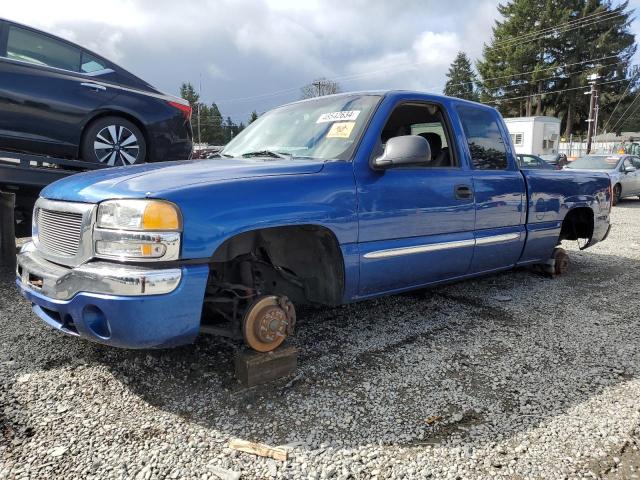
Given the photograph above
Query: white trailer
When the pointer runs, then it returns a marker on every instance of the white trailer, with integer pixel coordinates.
(536, 135)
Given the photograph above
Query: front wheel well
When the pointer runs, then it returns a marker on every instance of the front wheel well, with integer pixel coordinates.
(303, 262)
(578, 224)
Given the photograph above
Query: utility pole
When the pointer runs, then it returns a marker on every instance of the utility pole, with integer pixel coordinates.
(318, 84)
(199, 96)
(597, 108)
(592, 108)
(199, 139)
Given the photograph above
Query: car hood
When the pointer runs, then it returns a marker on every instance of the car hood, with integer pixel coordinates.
(154, 179)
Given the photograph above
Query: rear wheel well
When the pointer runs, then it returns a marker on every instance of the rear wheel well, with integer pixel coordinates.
(114, 113)
(302, 262)
(578, 223)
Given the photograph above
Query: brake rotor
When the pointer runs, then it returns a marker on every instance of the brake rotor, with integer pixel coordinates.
(267, 322)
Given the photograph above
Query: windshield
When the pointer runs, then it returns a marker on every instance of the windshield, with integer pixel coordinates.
(549, 157)
(595, 162)
(326, 128)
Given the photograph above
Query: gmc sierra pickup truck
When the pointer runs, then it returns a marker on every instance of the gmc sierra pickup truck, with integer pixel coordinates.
(324, 201)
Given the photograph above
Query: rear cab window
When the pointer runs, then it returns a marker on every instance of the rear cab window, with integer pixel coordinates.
(39, 49)
(484, 138)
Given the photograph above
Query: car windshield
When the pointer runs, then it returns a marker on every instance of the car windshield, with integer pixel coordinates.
(326, 128)
(595, 162)
(549, 157)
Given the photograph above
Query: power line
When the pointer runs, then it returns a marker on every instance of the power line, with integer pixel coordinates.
(567, 76)
(620, 100)
(562, 30)
(510, 43)
(530, 81)
(559, 25)
(385, 70)
(566, 27)
(506, 99)
(630, 116)
(591, 60)
(623, 113)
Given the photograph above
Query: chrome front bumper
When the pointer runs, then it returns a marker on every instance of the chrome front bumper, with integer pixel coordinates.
(62, 283)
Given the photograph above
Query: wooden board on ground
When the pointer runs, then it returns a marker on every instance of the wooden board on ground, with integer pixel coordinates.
(277, 453)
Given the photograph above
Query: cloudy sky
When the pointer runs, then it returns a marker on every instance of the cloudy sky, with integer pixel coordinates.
(256, 54)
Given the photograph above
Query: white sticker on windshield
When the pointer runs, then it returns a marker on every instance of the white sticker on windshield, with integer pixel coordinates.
(345, 115)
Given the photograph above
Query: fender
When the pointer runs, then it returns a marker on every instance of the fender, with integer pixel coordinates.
(214, 213)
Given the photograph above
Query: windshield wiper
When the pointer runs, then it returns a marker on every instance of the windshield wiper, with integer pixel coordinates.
(267, 153)
(220, 155)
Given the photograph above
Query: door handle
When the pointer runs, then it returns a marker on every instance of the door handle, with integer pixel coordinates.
(463, 192)
(94, 86)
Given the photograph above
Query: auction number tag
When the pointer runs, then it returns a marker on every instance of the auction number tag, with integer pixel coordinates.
(341, 130)
(345, 115)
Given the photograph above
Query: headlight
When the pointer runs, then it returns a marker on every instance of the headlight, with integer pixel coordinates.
(137, 230)
(139, 215)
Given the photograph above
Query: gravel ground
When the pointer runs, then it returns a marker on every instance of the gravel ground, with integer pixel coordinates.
(509, 376)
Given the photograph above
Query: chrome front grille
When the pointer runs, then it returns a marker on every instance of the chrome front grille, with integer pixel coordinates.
(62, 231)
(59, 233)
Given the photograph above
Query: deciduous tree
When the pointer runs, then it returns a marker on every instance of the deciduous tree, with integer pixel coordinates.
(319, 88)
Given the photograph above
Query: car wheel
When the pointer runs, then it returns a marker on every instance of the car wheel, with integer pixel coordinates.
(113, 141)
(617, 193)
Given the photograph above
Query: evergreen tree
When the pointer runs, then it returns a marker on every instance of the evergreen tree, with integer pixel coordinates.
(214, 132)
(461, 79)
(513, 63)
(230, 129)
(189, 93)
(544, 46)
(253, 117)
(606, 39)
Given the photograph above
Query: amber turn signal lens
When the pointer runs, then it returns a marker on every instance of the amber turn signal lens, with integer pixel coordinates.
(160, 216)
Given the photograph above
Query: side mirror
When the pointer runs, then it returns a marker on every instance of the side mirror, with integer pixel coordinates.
(629, 169)
(403, 151)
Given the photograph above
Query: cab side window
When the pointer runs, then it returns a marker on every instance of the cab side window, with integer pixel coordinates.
(32, 47)
(426, 120)
(486, 145)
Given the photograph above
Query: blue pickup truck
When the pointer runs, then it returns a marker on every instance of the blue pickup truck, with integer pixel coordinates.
(324, 201)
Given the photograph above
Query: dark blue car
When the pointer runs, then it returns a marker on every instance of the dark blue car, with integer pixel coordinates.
(59, 99)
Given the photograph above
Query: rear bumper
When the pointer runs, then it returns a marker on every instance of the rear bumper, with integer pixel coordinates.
(170, 140)
(123, 319)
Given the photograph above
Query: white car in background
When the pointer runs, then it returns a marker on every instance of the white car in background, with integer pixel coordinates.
(624, 171)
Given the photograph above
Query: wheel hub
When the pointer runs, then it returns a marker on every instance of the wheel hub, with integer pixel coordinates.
(271, 324)
(116, 145)
(267, 322)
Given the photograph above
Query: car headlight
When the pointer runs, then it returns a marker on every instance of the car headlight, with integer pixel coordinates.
(139, 215)
(138, 230)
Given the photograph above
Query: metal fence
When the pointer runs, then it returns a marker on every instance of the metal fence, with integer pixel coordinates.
(579, 148)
